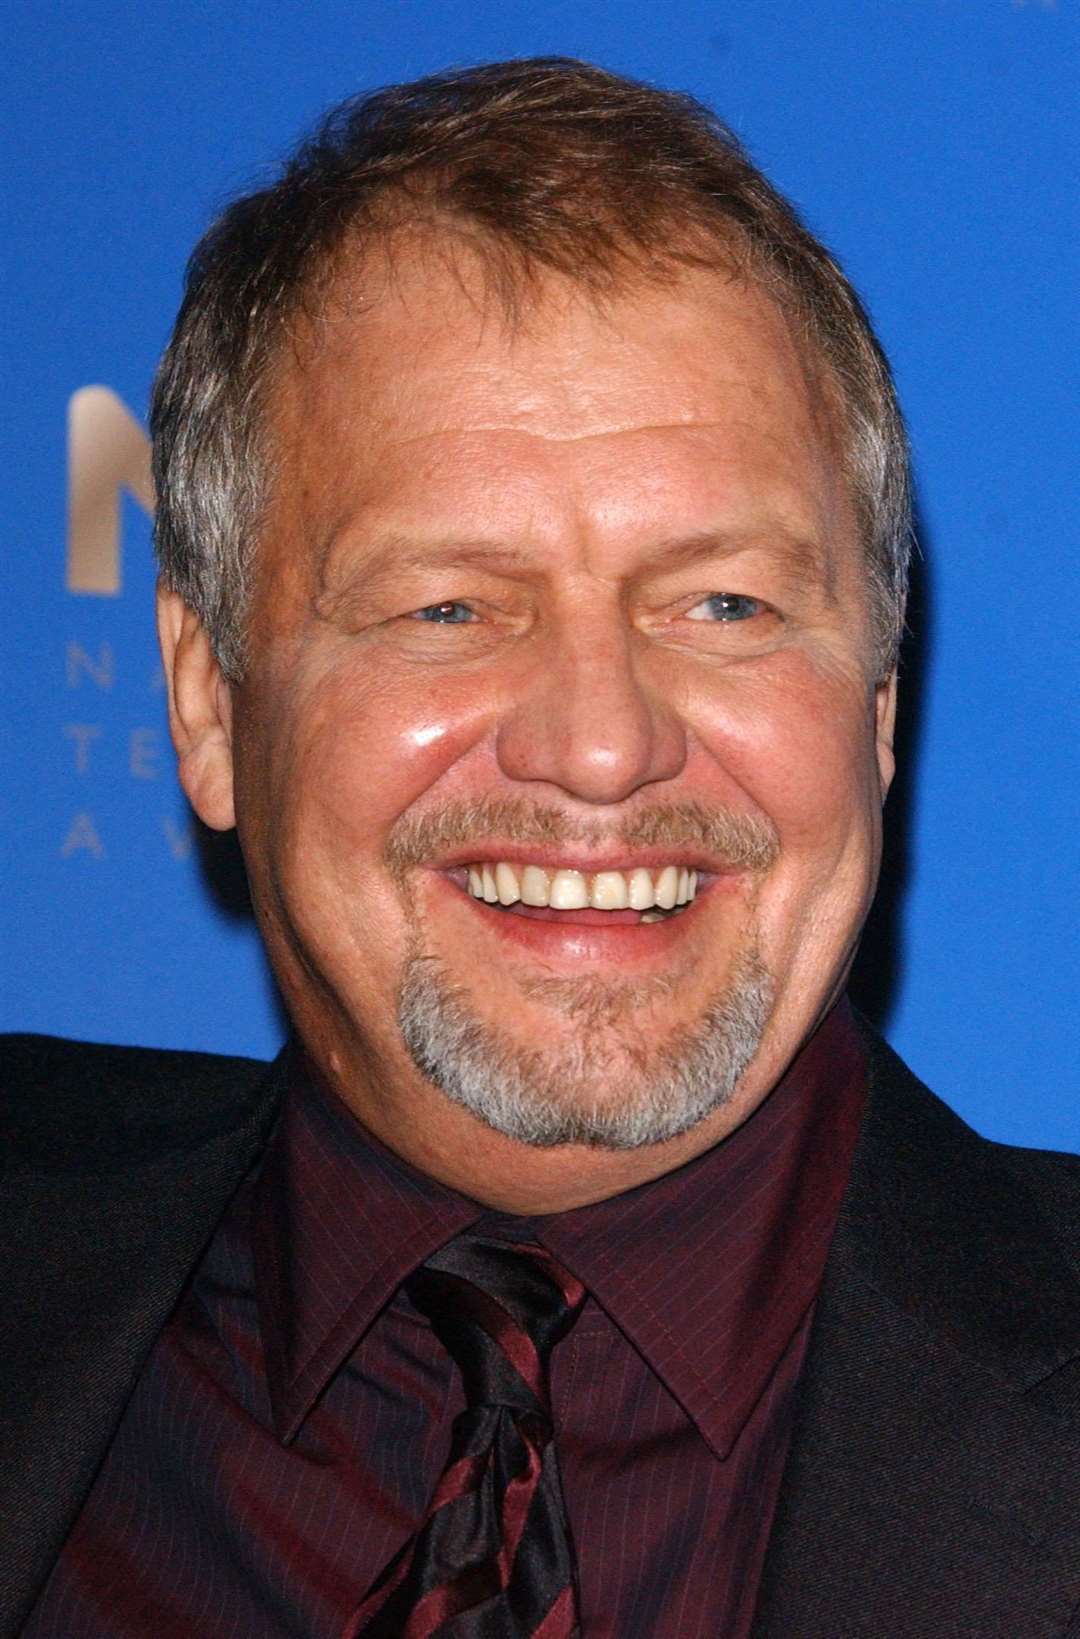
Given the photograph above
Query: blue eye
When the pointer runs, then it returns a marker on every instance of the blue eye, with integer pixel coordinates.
(726, 606)
(445, 614)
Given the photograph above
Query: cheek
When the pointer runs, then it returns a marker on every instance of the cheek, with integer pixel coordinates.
(349, 751)
(799, 744)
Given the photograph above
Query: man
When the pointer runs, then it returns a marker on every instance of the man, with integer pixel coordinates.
(533, 522)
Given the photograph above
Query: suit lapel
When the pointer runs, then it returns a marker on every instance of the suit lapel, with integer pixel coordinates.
(97, 1261)
(933, 1483)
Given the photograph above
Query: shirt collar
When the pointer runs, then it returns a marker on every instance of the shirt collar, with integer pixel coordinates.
(339, 1222)
(707, 1270)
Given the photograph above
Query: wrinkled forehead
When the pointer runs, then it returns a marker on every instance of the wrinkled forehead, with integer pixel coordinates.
(429, 326)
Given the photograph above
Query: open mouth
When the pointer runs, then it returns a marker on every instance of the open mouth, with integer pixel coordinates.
(592, 897)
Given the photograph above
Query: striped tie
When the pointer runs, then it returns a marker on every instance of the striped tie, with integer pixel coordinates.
(491, 1558)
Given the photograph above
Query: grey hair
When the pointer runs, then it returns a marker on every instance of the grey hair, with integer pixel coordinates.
(551, 164)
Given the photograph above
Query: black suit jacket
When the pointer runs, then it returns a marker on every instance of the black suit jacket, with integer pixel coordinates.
(933, 1484)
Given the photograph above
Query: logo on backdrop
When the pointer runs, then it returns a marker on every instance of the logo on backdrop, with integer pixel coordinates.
(108, 451)
(108, 454)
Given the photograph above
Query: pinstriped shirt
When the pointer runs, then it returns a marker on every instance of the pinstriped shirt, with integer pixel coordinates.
(292, 1419)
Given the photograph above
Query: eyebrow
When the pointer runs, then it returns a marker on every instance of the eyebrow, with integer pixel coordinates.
(726, 543)
(796, 553)
(401, 551)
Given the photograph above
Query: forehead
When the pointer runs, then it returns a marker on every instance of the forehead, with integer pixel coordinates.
(416, 389)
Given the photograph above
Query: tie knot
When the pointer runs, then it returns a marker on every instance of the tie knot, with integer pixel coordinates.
(499, 1309)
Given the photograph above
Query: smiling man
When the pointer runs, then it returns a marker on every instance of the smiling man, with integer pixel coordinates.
(533, 528)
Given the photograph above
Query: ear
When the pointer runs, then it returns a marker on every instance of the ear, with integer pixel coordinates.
(885, 729)
(200, 711)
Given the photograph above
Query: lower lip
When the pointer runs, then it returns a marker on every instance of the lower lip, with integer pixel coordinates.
(586, 917)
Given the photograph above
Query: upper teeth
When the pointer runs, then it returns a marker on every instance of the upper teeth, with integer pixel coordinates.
(639, 890)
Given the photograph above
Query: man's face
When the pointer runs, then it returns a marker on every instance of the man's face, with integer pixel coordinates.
(583, 595)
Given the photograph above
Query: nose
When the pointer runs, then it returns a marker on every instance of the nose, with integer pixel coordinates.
(582, 718)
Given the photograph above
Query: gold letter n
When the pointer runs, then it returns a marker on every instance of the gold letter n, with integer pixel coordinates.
(108, 451)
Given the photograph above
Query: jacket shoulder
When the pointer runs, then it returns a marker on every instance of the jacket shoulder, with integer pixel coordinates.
(952, 1172)
(88, 1107)
(1051, 1179)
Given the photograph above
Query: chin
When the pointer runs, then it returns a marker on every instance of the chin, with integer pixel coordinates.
(606, 1084)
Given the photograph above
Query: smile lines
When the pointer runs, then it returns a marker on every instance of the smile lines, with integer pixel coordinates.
(569, 890)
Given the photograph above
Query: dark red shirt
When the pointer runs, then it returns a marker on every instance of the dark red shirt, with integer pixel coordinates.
(294, 1415)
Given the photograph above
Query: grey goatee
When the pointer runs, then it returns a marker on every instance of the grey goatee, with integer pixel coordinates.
(611, 1094)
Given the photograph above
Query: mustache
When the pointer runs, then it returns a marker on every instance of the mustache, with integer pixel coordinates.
(734, 840)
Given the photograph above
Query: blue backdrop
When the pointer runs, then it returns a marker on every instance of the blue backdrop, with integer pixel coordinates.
(932, 143)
